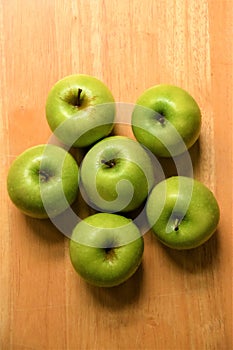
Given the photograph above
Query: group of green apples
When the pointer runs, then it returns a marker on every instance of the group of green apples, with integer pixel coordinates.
(116, 176)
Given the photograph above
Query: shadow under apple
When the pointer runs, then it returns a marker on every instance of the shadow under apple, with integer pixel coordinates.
(196, 259)
(178, 165)
(118, 297)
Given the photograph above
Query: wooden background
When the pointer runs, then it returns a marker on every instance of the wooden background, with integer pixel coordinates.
(176, 300)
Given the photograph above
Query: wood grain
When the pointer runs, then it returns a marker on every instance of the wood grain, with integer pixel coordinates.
(176, 300)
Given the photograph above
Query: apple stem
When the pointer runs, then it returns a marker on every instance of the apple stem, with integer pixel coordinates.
(109, 253)
(78, 104)
(110, 163)
(176, 224)
(160, 118)
(44, 177)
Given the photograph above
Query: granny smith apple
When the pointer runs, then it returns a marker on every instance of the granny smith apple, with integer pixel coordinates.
(80, 110)
(167, 120)
(182, 212)
(106, 249)
(116, 174)
(43, 181)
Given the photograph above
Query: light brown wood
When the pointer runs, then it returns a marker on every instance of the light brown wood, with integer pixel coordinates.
(176, 300)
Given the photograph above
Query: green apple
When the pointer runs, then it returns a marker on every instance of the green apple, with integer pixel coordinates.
(167, 120)
(106, 249)
(80, 110)
(116, 174)
(43, 181)
(182, 212)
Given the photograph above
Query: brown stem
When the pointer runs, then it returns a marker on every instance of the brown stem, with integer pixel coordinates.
(160, 118)
(110, 163)
(109, 253)
(78, 103)
(176, 224)
(44, 177)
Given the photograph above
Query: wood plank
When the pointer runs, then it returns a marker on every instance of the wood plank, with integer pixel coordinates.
(176, 300)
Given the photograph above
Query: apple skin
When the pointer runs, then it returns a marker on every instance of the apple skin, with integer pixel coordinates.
(106, 249)
(180, 123)
(182, 212)
(123, 186)
(80, 124)
(43, 181)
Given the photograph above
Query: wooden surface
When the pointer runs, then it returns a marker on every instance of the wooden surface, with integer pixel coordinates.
(176, 300)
